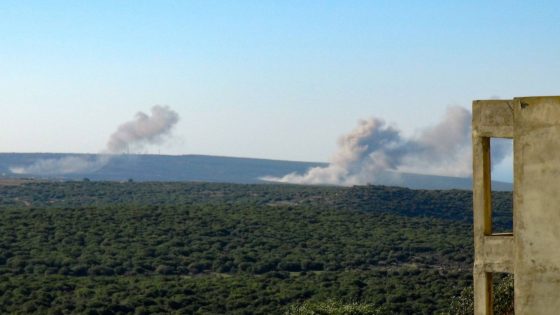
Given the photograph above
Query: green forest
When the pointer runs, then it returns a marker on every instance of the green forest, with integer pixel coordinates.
(207, 248)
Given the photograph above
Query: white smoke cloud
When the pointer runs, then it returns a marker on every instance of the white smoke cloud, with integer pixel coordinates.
(374, 153)
(144, 129)
(65, 165)
(133, 135)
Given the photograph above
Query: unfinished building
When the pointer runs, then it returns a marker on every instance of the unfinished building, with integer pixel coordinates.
(532, 250)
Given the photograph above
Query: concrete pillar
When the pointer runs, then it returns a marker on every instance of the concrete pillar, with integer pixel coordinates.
(491, 119)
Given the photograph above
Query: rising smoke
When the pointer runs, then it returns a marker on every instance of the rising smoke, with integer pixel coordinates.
(374, 153)
(133, 135)
(62, 166)
(144, 129)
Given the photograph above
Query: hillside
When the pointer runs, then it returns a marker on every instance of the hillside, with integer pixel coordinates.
(210, 169)
(211, 248)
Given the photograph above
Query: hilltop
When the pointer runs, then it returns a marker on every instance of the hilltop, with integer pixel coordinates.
(205, 168)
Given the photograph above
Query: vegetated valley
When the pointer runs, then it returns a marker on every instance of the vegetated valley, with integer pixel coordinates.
(200, 248)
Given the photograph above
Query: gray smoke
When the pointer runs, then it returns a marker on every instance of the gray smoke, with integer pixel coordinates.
(144, 129)
(374, 153)
(62, 166)
(133, 135)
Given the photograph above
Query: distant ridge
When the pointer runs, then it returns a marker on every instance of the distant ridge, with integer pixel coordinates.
(206, 168)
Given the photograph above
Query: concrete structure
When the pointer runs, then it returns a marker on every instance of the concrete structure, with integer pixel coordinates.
(532, 251)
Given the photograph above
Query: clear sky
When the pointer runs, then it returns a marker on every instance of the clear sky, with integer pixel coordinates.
(270, 79)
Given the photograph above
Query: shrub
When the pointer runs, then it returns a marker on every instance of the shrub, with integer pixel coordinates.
(503, 299)
(333, 307)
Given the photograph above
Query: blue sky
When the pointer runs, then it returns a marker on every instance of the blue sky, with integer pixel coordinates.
(270, 79)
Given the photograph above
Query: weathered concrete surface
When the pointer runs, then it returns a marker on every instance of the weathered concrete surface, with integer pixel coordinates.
(532, 253)
(537, 205)
(493, 118)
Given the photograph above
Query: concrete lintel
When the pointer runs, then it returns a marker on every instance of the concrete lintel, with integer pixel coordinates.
(493, 118)
(498, 253)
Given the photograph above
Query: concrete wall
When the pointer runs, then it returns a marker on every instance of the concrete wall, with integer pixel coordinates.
(532, 252)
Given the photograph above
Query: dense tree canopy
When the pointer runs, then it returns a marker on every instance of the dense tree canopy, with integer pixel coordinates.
(95, 247)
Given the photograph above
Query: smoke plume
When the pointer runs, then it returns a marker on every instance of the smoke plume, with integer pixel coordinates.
(374, 153)
(133, 135)
(62, 166)
(144, 129)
